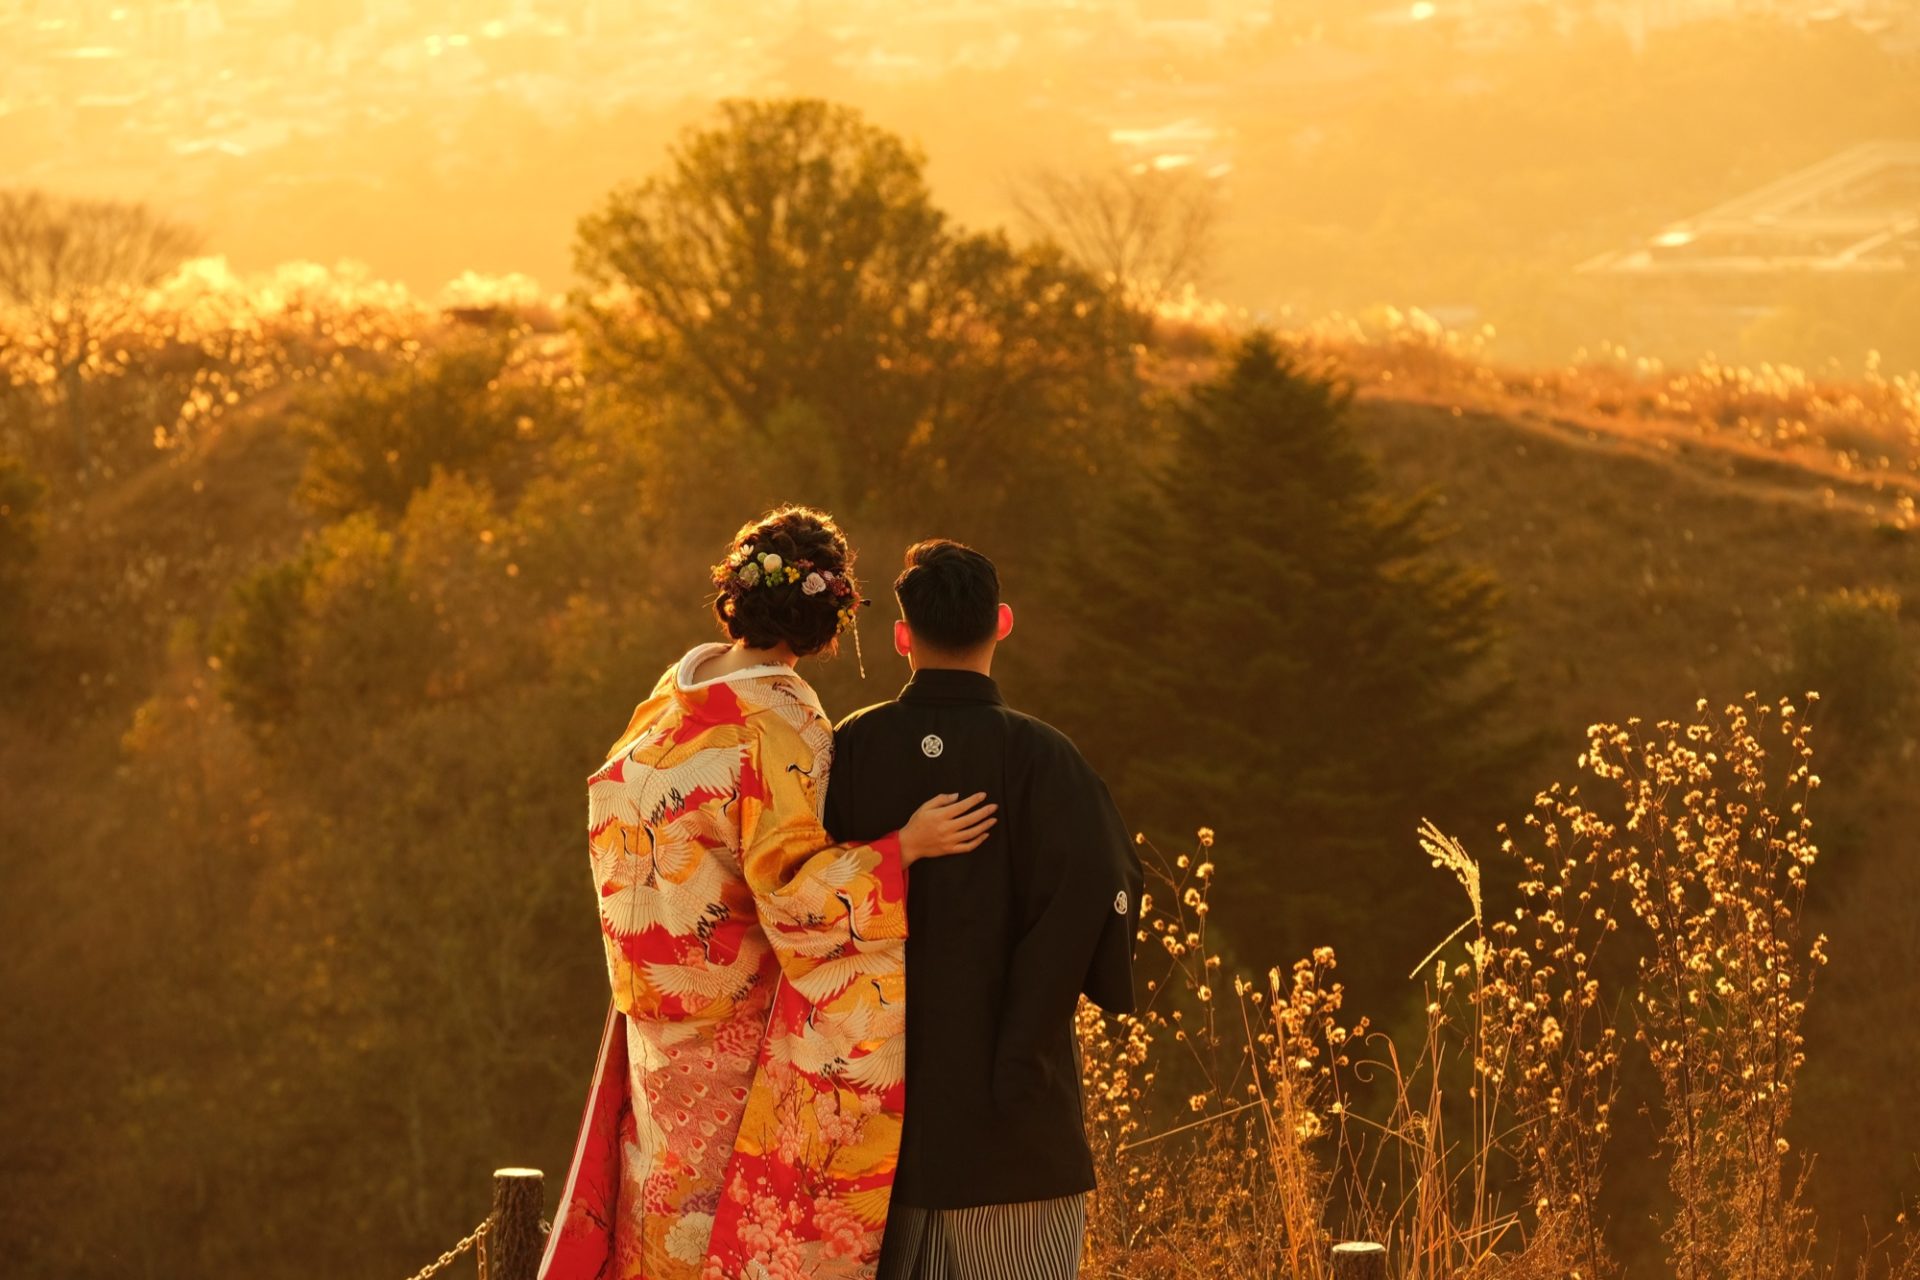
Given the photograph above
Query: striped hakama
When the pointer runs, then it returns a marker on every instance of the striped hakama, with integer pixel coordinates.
(1036, 1240)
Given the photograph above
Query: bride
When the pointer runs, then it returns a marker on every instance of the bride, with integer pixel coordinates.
(744, 1116)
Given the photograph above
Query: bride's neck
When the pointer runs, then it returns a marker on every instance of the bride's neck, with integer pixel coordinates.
(741, 656)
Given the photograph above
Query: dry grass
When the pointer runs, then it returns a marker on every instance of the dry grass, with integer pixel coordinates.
(1242, 1127)
(1849, 440)
(181, 357)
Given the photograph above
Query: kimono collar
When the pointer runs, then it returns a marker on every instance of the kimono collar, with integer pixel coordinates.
(945, 684)
(769, 685)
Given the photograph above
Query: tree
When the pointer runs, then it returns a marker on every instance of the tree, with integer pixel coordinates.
(466, 406)
(1151, 230)
(770, 255)
(789, 267)
(1285, 654)
(76, 269)
(20, 521)
(1848, 647)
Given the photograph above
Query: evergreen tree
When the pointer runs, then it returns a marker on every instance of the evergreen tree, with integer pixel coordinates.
(1280, 649)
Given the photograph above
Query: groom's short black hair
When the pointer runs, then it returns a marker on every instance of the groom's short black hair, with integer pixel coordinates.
(949, 594)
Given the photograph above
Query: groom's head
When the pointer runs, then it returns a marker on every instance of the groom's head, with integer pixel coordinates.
(950, 609)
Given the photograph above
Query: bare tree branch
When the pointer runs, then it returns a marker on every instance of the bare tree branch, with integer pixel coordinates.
(73, 249)
(74, 269)
(1149, 230)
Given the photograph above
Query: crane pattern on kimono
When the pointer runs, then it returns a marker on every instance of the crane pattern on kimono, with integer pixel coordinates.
(731, 920)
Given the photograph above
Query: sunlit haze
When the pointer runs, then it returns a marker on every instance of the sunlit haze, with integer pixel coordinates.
(1571, 173)
(1455, 465)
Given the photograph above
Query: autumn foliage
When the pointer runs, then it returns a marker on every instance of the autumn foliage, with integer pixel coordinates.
(310, 635)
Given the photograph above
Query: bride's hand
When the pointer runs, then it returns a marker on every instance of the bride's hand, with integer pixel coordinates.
(946, 825)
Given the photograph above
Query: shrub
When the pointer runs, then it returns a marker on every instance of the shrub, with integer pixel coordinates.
(370, 622)
(336, 632)
(258, 648)
(1849, 646)
(377, 437)
(20, 520)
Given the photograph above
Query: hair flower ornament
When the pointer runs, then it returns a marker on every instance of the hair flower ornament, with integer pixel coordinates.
(750, 570)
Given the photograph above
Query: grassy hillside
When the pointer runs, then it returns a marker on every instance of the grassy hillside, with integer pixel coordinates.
(1653, 548)
(1647, 564)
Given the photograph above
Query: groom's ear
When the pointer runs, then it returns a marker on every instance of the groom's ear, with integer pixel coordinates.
(902, 638)
(1005, 627)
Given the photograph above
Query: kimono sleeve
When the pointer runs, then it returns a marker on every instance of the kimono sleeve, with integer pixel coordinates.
(1079, 923)
(817, 900)
(647, 712)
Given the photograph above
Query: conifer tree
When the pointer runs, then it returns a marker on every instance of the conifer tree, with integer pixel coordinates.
(1272, 644)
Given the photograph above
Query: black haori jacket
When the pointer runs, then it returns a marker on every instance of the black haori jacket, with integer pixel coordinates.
(1001, 942)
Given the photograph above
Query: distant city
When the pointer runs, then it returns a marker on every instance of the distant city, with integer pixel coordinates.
(1690, 175)
(162, 86)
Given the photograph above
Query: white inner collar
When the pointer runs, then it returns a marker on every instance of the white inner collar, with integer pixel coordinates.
(700, 653)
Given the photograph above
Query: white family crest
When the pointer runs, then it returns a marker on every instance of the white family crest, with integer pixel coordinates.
(1120, 902)
(931, 746)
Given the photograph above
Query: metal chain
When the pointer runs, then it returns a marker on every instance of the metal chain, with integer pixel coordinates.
(476, 1240)
(471, 1240)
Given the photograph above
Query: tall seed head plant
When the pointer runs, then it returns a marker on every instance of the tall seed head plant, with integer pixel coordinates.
(1241, 1127)
(1714, 852)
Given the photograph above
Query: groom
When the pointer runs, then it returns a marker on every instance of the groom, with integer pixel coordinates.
(994, 1166)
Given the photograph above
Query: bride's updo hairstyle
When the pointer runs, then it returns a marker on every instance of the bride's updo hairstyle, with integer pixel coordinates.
(787, 577)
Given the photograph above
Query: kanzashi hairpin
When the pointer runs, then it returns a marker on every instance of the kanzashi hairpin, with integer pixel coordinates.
(750, 569)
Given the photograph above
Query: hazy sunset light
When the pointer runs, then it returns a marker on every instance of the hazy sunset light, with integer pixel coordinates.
(1455, 467)
(426, 138)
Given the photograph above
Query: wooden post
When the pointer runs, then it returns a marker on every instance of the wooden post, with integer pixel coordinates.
(1359, 1260)
(514, 1242)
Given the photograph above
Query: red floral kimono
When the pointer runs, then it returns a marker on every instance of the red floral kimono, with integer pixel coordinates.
(744, 1117)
